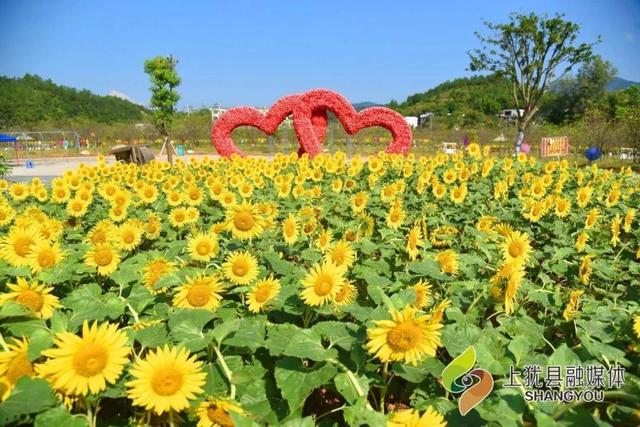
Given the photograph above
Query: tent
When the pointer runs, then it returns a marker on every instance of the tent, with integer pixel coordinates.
(7, 138)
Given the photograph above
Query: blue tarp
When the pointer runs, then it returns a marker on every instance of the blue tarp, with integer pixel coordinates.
(7, 138)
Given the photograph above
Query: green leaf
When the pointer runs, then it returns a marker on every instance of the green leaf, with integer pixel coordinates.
(341, 334)
(39, 341)
(519, 347)
(564, 356)
(362, 415)
(296, 381)
(88, 303)
(187, 326)
(417, 374)
(290, 340)
(13, 309)
(250, 333)
(428, 268)
(278, 265)
(347, 389)
(29, 396)
(152, 336)
(300, 422)
(60, 417)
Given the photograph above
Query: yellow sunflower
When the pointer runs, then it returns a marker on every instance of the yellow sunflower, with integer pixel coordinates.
(346, 294)
(395, 217)
(240, 267)
(103, 257)
(422, 290)
(262, 293)
(407, 337)
(178, 217)
(636, 326)
(44, 255)
(342, 255)
(202, 246)
(322, 283)
(584, 272)
(581, 241)
(244, 221)
(15, 247)
(166, 379)
(36, 297)
(153, 271)
(215, 413)
(290, 229)
(448, 261)
(15, 363)
(414, 242)
(517, 245)
(86, 364)
(573, 305)
(103, 232)
(412, 418)
(200, 292)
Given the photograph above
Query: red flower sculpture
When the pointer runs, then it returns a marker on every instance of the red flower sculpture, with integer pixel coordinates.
(309, 112)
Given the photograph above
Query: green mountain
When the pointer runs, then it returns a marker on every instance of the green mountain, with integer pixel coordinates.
(466, 100)
(31, 101)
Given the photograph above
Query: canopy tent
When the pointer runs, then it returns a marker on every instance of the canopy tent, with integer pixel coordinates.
(7, 138)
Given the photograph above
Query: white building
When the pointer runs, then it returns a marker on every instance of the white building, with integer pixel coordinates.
(412, 121)
(510, 114)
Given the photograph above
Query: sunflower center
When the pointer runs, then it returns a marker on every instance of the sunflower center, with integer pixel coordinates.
(31, 299)
(198, 295)
(240, 268)
(90, 359)
(395, 217)
(46, 258)
(179, 217)
(262, 294)
(404, 336)
(244, 221)
(18, 367)
(515, 249)
(289, 229)
(323, 285)
(218, 416)
(103, 257)
(22, 245)
(203, 248)
(167, 381)
(128, 237)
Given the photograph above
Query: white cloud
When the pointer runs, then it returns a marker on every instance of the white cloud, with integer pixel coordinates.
(122, 95)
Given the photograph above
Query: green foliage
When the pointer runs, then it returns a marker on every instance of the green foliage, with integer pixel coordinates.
(164, 97)
(31, 101)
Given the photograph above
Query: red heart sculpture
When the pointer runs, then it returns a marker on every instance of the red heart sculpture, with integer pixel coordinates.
(310, 121)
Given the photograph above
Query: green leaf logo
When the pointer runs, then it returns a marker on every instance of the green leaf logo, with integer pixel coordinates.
(457, 369)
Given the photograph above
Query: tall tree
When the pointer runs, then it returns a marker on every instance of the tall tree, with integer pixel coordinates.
(164, 97)
(531, 51)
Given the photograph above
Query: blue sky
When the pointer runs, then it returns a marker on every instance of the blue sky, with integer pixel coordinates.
(253, 52)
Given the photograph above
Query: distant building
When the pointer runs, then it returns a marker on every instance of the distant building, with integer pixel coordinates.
(412, 121)
(216, 112)
(510, 114)
(425, 117)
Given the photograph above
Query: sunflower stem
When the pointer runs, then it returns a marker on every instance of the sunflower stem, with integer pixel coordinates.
(385, 385)
(227, 372)
(171, 420)
(3, 343)
(134, 313)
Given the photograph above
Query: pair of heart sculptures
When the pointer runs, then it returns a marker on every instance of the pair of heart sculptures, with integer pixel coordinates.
(309, 113)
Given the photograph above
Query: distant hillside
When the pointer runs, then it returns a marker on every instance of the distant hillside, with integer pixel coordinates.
(472, 97)
(31, 101)
(362, 105)
(619, 84)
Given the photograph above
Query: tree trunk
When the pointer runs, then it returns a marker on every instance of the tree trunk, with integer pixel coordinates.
(519, 139)
(167, 144)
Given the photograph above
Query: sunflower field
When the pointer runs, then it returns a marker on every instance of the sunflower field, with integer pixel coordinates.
(328, 291)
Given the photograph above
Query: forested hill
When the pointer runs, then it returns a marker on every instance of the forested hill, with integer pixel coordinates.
(479, 94)
(33, 101)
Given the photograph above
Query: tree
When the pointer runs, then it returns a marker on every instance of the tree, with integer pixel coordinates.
(164, 97)
(529, 50)
(592, 82)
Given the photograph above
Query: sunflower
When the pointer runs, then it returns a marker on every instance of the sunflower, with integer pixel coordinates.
(395, 217)
(44, 255)
(342, 255)
(628, 220)
(414, 242)
(262, 293)
(458, 194)
(104, 257)
(200, 292)
(615, 230)
(322, 283)
(581, 241)
(152, 227)
(103, 232)
(153, 271)
(563, 207)
(573, 305)
(290, 230)
(412, 418)
(584, 272)
(7, 213)
(516, 246)
(422, 290)
(240, 267)
(36, 297)
(15, 363)
(346, 294)
(406, 337)
(636, 326)
(128, 236)
(202, 246)
(215, 413)
(77, 208)
(16, 246)
(592, 218)
(86, 364)
(359, 202)
(244, 221)
(448, 261)
(178, 217)
(166, 379)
